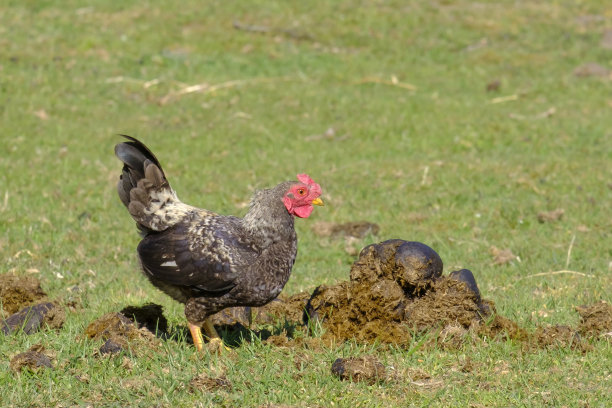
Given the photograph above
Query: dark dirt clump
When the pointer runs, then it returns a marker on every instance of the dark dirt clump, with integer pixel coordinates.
(149, 316)
(412, 265)
(367, 369)
(595, 319)
(31, 318)
(110, 347)
(559, 336)
(396, 286)
(16, 292)
(206, 383)
(33, 359)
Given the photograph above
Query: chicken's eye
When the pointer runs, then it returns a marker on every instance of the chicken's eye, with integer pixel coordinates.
(301, 191)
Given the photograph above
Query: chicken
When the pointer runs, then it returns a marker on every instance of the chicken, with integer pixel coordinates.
(208, 261)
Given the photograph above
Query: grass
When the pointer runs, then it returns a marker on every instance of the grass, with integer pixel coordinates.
(442, 164)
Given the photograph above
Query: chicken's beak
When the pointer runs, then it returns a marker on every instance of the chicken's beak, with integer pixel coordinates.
(317, 201)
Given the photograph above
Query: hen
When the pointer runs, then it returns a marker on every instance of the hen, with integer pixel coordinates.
(208, 261)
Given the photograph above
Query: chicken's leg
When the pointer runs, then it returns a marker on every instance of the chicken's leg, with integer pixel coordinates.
(196, 335)
(215, 343)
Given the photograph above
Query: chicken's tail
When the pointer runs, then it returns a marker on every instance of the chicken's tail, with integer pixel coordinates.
(144, 190)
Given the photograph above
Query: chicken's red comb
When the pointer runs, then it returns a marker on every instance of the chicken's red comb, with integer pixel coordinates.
(305, 178)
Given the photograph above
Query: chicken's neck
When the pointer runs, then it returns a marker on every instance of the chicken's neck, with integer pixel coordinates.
(267, 220)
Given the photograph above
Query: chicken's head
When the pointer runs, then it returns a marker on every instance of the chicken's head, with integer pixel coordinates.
(301, 196)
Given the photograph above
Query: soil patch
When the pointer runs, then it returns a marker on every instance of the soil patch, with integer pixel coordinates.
(367, 369)
(16, 292)
(33, 359)
(32, 318)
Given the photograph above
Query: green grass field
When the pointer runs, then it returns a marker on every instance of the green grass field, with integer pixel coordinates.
(385, 104)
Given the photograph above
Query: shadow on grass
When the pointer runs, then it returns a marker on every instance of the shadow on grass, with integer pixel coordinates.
(234, 335)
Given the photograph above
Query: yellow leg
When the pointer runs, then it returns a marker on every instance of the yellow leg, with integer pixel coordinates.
(210, 330)
(215, 343)
(196, 334)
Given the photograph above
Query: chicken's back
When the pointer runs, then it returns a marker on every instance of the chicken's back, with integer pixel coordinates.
(203, 254)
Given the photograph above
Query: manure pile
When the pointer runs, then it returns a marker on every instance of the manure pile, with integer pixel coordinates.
(396, 289)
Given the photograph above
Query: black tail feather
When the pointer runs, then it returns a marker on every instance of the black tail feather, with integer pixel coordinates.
(135, 157)
(134, 153)
(144, 190)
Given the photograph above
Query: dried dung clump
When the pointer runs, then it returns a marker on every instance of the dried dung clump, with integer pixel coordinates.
(287, 308)
(207, 383)
(595, 319)
(32, 318)
(367, 369)
(452, 336)
(149, 316)
(110, 347)
(16, 292)
(279, 340)
(551, 216)
(356, 229)
(348, 311)
(412, 265)
(33, 359)
(449, 301)
(501, 256)
(592, 69)
(396, 286)
(284, 308)
(502, 328)
(239, 315)
(559, 336)
(112, 325)
(121, 331)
